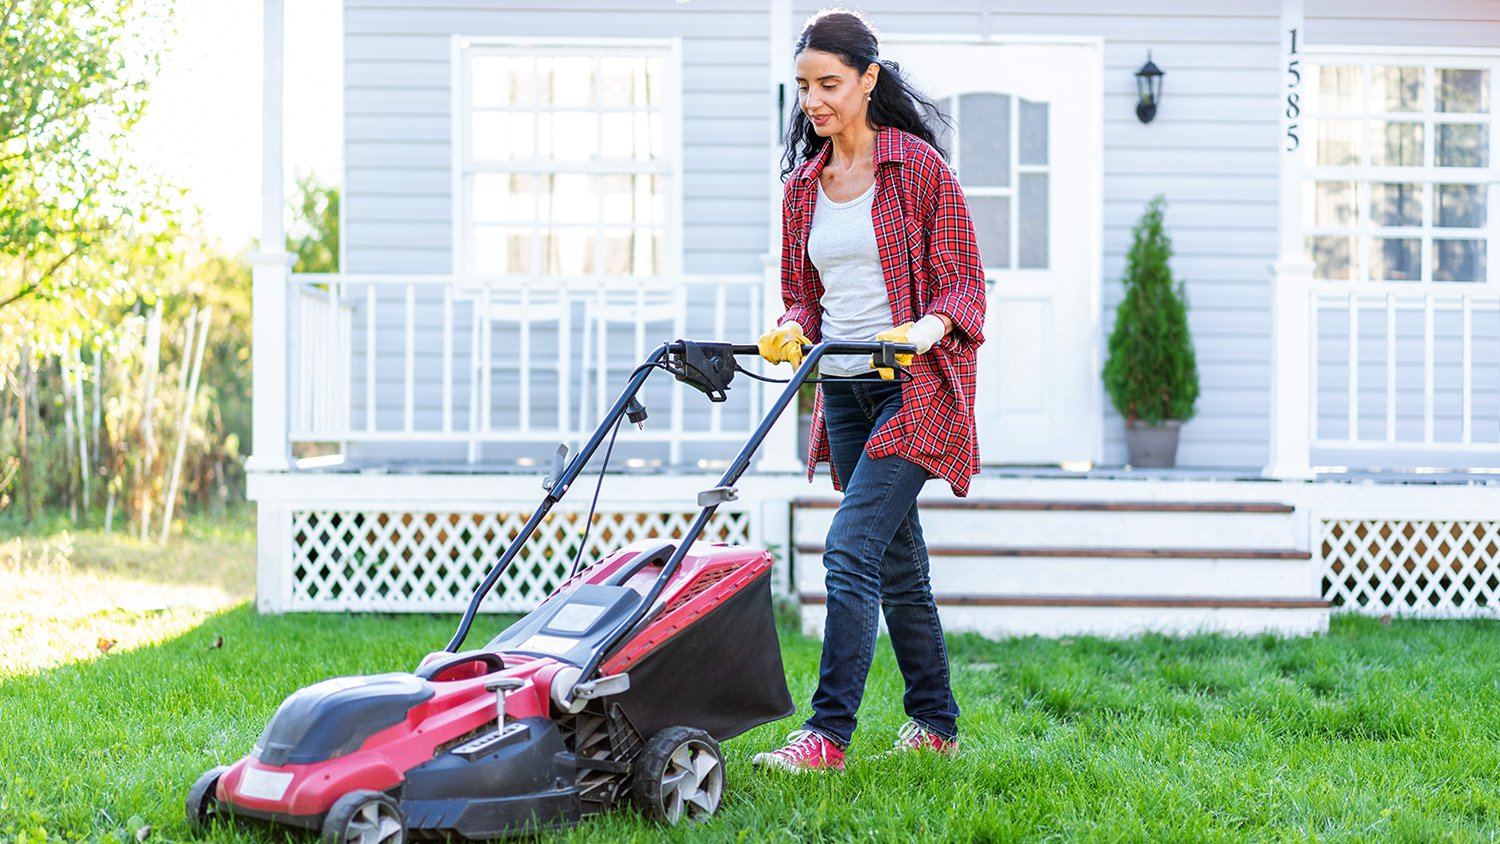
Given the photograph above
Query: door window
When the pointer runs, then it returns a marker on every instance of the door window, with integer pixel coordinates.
(998, 146)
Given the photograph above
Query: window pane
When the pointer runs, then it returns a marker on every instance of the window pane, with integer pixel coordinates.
(1333, 204)
(503, 198)
(1395, 204)
(1338, 142)
(1339, 90)
(1462, 145)
(1458, 260)
(1395, 259)
(571, 199)
(992, 229)
(633, 200)
(569, 252)
(1033, 135)
(941, 128)
(502, 136)
(984, 140)
(571, 83)
(502, 249)
(569, 135)
(1461, 206)
(1463, 90)
(1330, 257)
(627, 136)
(656, 72)
(631, 251)
(1395, 144)
(500, 81)
(1396, 89)
(622, 82)
(1033, 228)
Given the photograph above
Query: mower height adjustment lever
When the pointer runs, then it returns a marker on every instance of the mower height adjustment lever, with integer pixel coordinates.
(500, 686)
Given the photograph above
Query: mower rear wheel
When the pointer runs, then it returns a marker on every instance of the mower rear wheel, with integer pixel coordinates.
(365, 817)
(679, 776)
(202, 806)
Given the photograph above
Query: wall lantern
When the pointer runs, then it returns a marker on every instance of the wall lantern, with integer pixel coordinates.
(1148, 85)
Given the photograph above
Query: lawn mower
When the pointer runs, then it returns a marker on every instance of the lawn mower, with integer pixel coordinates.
(617, 688)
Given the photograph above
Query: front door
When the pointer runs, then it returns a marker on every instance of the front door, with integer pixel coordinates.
(1026, 147)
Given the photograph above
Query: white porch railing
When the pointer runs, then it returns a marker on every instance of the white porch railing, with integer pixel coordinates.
(474, 360)
(1399, 369)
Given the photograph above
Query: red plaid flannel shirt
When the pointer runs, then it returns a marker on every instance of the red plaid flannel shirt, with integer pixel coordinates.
(931, 264)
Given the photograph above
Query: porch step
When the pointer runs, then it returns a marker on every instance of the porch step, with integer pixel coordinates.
(1185, 526)
(1103, 567)
(999, 617)
(1182, 602)
(1094, 573)
(1269, 507)
(1109, 553)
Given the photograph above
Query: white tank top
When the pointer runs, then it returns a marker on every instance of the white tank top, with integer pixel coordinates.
(856, 305)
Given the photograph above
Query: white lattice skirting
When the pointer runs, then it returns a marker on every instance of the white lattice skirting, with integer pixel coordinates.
(426, 562)
(1432, 568)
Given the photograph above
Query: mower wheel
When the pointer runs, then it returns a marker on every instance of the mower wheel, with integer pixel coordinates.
(364, 817)
(202, 806)
(679, 776)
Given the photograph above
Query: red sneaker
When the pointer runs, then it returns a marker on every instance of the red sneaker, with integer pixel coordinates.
(805, 751)
(915, 738)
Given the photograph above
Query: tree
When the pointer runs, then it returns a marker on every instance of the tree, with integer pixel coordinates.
(73, 79)
(314, 234)
(1152, 373)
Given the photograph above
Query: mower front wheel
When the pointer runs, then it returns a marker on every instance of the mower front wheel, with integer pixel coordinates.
(202, 806)
(679, 776)
(364, 817)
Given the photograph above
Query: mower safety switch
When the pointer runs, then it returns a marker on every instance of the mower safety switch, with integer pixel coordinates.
(717, 495)
(611, 684)
(500, 687)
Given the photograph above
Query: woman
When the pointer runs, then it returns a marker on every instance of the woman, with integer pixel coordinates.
(877, 244)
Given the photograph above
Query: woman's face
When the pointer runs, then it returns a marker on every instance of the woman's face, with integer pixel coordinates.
(832, 94)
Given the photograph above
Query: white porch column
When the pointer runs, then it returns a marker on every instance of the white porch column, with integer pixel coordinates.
(1292, 401)
(269, 268)
(779, 452)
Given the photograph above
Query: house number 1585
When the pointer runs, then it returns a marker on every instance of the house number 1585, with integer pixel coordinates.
(1293, 106)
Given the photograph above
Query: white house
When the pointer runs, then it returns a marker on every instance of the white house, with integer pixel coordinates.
(537, 192)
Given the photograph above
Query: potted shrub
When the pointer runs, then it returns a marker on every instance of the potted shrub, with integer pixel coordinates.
(1151, 373)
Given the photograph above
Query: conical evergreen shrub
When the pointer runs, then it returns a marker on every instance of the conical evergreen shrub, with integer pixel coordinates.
(1151, 374)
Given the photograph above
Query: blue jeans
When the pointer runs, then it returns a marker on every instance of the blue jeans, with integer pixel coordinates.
(875, 559)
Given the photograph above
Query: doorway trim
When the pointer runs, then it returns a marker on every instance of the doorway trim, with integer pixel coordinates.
(1093, 237)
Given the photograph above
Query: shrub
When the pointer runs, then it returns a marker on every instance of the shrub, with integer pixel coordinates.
(1151, 374)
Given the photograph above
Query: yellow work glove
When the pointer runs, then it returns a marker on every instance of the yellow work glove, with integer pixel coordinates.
(783, 344)
(923, 334)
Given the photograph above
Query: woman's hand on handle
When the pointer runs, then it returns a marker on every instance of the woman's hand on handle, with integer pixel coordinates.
(783, 344)
(924, 334)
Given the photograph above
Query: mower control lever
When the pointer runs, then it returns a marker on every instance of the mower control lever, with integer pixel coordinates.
(612, 684)
(717, 495)
(559, 458)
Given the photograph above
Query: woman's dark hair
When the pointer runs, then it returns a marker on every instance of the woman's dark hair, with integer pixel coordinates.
(893, 102)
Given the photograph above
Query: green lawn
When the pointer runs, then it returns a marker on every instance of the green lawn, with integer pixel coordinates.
(1371, 732)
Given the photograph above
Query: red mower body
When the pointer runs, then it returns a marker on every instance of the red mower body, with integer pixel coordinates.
(436, 739)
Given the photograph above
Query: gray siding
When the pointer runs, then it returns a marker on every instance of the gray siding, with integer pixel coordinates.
(397, 119)
(1430, 24)
(1212, 151)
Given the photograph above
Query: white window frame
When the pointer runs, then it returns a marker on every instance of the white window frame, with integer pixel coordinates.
(1017, 170)
(670, 169)
(1427, 175)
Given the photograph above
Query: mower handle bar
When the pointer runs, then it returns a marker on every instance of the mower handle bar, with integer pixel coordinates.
(811, 355)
